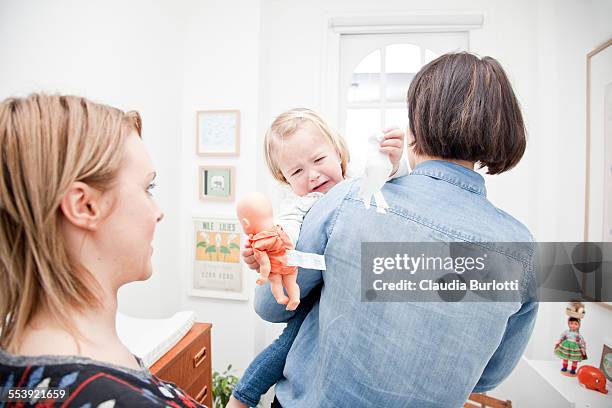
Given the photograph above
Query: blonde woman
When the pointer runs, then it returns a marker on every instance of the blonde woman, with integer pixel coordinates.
(76, 223)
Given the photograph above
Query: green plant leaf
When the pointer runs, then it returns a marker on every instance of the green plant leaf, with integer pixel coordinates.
(223, 385)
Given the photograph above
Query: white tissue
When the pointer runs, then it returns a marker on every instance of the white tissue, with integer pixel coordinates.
(377, 169)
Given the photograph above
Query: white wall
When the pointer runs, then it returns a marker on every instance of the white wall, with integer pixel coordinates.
(120, 53)
(221, 72)
(566, 32)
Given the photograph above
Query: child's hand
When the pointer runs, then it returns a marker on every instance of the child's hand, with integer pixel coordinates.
(249, 257)
(393, 145)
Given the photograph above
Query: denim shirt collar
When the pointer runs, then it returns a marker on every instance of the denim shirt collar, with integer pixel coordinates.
(452, 173)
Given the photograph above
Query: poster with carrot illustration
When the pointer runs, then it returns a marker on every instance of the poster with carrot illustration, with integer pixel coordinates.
(217, 267)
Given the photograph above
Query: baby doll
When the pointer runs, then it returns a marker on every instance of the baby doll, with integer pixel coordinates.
(571, 345)
(270, 244)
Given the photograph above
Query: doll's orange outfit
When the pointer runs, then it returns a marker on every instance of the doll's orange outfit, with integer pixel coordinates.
(275, 243)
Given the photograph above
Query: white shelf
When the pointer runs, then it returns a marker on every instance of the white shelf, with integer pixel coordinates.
(539, 383)
(569, 387)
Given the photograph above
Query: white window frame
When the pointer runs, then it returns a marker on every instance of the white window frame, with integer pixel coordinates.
(337, 25)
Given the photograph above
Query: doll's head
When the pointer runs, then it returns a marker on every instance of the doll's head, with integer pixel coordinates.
(255, 213)
(573, 323)
(303, 151)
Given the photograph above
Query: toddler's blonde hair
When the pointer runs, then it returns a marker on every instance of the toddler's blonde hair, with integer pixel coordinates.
(289, 122)
(48, 142)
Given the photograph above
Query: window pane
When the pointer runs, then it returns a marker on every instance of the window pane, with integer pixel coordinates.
(402, 58)
(364, 88)
(397, 86)
(360, 124)
(396, 117)
(430, 56)
(370, 64)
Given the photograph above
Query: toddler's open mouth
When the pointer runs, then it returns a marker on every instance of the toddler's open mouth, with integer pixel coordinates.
(321, 187)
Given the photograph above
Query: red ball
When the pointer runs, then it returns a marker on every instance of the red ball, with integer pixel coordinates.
(592, 378)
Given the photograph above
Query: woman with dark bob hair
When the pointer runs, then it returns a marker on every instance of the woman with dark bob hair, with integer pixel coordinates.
(387, 337)
(463, 108)
(76, 223)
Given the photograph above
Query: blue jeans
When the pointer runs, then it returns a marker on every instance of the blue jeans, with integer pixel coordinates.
(267, 368)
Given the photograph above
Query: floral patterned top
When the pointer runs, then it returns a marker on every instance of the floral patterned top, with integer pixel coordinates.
(89, 383)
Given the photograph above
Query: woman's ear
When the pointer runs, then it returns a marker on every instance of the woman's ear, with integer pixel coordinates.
(81, 205)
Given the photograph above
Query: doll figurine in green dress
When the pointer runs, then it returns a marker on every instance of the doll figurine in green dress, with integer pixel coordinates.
(571, 346)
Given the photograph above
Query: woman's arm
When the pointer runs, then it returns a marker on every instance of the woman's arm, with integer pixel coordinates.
(510, 349)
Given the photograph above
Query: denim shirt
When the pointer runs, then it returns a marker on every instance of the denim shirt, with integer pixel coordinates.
(350, 353)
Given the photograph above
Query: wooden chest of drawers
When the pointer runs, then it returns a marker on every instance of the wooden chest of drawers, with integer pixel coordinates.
(188, 364)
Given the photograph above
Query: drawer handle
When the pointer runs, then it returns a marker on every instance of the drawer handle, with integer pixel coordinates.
(202, 395)
(199, 357)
